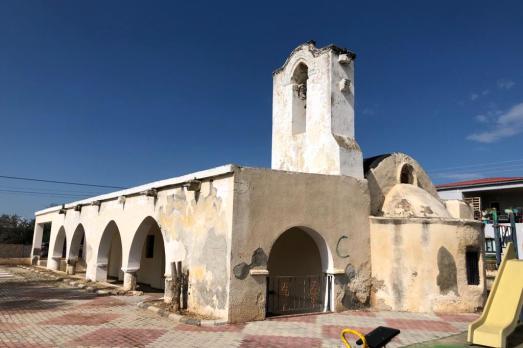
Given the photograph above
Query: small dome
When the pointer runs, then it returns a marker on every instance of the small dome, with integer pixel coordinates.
(405, 200)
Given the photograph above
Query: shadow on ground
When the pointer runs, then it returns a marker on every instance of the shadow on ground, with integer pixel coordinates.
(37, 295)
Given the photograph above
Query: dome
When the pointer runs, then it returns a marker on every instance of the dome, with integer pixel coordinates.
(405, 200)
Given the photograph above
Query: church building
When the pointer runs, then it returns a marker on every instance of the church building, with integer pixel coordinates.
(322, 230)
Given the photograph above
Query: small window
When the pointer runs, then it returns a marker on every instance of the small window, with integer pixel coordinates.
(489, 245)
(472, 263)
(407, 174)
(149, 246)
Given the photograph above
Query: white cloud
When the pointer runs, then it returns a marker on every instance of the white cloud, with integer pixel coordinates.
(474, 96)
(485, 92)
(481, 118)
(505, 84)
(506, 125)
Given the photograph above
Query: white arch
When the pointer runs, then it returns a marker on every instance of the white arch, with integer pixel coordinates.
(73, 248)
(104, 245)
(135, 251)
(58, 244)
(327, 262)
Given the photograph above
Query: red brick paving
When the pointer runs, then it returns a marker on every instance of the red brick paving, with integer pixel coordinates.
(416, 324)
(119, 338)
(297, 318)
(463, 318)
(280, 341)
(81, 319)
(46, 313)
(218, 328)
(105, 301)
(334, 331)
(361, 313)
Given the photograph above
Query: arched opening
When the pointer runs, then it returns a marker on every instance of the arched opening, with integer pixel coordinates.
(77, 250)
(299, 80)
(147, 255)
(109, 259)
(60, 250)
(297, 266)
(407, 174)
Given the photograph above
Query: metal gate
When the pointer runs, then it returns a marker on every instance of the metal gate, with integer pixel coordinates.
(295, 294)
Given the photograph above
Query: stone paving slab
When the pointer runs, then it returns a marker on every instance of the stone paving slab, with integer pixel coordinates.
(42, 313)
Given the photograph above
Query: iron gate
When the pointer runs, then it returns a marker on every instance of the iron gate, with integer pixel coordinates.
(295, 294)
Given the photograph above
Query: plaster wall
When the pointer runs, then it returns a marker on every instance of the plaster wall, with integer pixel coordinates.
(114, 266)
(328, 145)
(195, 228)
(418, 264)
(384, 175)
(334, 209)
(459, 209)
(152, 269)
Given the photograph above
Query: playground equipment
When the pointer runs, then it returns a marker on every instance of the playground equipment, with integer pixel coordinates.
(501, 313)
(377, 338)
(502, 233)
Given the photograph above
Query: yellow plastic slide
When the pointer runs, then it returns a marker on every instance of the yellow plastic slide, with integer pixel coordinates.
(501, 313)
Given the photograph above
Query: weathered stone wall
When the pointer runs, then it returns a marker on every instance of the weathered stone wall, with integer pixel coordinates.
(418, 264)
(327, 144)
(195, 227)
(267, 203)
(384, 174)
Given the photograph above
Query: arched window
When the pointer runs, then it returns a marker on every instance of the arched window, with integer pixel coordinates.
(299, 98)
(407, 174)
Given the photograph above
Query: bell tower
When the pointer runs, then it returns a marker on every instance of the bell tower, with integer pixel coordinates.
(313, 113)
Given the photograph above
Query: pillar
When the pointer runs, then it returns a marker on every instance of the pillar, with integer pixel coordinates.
(168, 292)
(70, 267)
(54, 263)
(129, 279)
(37, 243)
(101, 272)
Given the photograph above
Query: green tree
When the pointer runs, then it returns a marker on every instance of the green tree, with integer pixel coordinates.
(15, 229)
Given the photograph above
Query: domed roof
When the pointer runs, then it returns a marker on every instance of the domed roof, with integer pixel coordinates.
(406, 200)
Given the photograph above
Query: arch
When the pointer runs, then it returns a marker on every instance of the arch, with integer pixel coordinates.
(299, 79)
(56, 258)
(327, 262)
(406, 174)
(77, 247)
(109, 256)
(60, 244)
(298, 263)
(147, 254)
(76, 251)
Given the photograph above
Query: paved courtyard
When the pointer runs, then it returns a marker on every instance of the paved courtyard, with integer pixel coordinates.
(39, 312)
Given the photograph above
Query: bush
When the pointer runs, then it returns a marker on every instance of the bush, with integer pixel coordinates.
(15, 229)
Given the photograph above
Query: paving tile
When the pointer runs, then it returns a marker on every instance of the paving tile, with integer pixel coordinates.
(255, 341)
(118, 337)
(42, 313)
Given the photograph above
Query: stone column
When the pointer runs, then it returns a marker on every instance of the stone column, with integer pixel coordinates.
(70, 267)
(129, 279)
(338, 282)
(168, 293)
(54, 263)
(37, 244)
(101, 272)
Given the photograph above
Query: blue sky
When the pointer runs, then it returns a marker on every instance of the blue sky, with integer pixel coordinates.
(123, 92)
